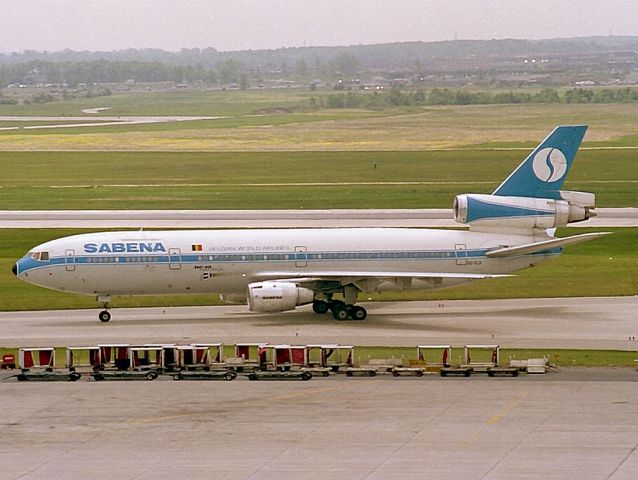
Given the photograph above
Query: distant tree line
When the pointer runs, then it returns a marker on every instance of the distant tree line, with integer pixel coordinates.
(101, 71)
(228, 70)
(438, 96)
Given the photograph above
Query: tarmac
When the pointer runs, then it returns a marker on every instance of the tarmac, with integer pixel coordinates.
(591, 322)
(426, 217)
(576, 423)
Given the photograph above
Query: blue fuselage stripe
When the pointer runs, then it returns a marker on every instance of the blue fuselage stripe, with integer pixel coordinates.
(27, 263)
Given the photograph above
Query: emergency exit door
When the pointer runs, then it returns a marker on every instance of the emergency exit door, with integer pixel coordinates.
(69, 260)
(174, 258)
(301, 257)
(460, 252)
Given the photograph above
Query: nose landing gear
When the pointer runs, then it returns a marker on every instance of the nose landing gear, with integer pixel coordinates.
(104, 315)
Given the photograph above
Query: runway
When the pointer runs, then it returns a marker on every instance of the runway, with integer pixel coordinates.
(607, 217)
(589, 323)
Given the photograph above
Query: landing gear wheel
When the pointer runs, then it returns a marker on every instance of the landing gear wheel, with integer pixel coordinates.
(336, 303)
(320, 307)
(340, 312)
(104, 316)
(358, 313)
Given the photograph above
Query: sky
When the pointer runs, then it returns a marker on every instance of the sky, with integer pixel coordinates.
(102, 25)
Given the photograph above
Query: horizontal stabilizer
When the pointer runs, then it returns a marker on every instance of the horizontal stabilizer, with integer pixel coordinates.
(544, 245)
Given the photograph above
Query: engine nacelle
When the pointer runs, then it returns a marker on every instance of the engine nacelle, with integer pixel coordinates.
(494, 211)
(271, 297)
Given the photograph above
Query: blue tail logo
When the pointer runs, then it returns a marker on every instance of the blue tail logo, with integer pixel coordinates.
(543, 172)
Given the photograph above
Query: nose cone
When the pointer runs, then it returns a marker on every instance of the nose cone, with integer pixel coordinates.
(15, 269)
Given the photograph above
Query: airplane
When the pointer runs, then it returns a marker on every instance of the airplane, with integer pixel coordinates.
(281, 269)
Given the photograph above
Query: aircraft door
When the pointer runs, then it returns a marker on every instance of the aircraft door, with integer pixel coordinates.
(174, 259)
(301, 257)
(69, 260)
(460, 252)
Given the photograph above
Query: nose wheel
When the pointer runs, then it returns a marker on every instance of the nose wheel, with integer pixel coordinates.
(104, 316)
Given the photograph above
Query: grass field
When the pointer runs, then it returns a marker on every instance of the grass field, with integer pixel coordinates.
(281, 121)
(578, 272)
(273, 151)
(236, 180)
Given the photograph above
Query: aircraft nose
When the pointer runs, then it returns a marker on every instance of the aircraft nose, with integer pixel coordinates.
(15, 269)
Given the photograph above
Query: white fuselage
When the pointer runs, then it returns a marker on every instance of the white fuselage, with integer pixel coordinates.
(218, 261)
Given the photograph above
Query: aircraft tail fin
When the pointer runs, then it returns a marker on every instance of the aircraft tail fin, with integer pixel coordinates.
(531, 199)
(543, 172)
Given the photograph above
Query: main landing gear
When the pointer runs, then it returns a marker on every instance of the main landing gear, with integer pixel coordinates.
(340, 310)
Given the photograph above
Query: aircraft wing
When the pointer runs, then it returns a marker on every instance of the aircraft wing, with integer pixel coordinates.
(347, 276)
(544, 245)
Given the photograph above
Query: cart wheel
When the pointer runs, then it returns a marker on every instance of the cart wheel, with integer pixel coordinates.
(306, 376)
(348, 374)
(326, 374)
(73, 376)
(98, 377)
(515, 373)
(373, 373)
(21, 377)
(395, 373)
(490, 374)
(252, 376)
(151, 376)
(468, 373)
(228, 376)
(177, 376)
(419, 373)
(443, 374)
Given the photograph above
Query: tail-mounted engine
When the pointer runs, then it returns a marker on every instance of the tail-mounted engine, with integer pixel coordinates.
(271, 297)
(500, 212)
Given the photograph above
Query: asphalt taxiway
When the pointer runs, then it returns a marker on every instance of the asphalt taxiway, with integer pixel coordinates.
(592, 322)
(431, 217)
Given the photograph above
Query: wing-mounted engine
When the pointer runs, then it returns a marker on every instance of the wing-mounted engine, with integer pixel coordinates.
(508, 213)
(271, 297)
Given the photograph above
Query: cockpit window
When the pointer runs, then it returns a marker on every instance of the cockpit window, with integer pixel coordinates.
(40, 256)
(44, 256)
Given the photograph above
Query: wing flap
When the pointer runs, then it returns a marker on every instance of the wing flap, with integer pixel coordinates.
(544, 245)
